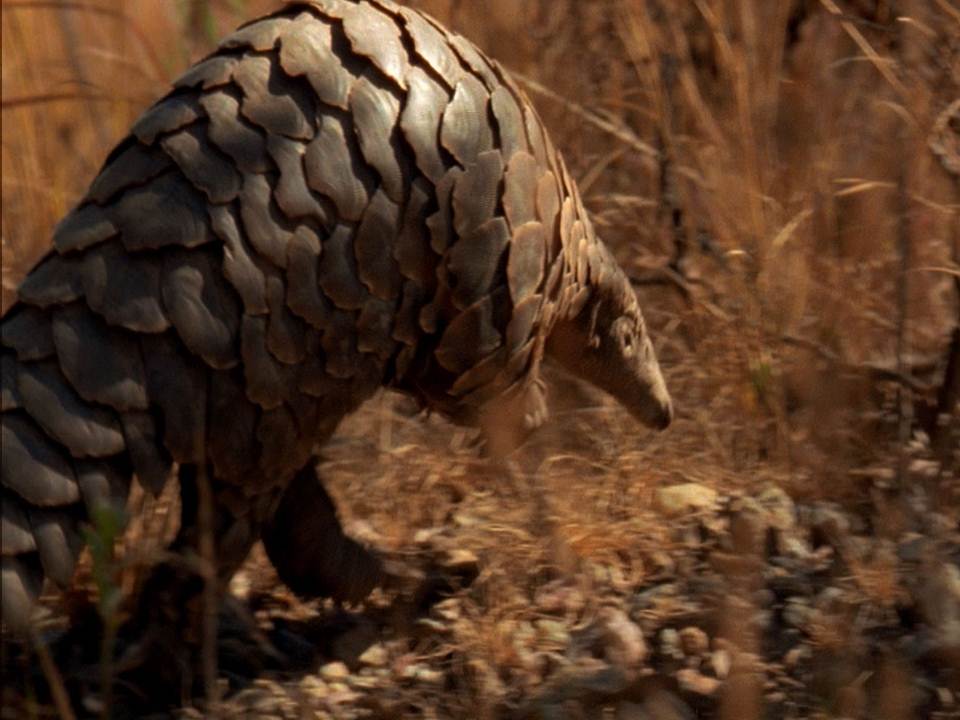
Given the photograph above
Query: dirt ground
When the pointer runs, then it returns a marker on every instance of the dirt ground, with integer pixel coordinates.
(782, 180)
(588, 577)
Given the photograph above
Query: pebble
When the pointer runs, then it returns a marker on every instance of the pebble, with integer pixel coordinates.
(376, 656)
(421, 673)
(720, 661)
(334, 672)
(696, 682)
(684, 498)
(797, 612)
(365, 682)
(462, 562)
(780, 511)
(625, 645)
(553, 632)
(748, 525)
(448, 609)
(657, 705)
(938, 597)
(795, 655)
(432, 625)
(425, 535)
(924, 468)
(670, 644)
(314, 686)
(240, 585)
(466, 520)
(341, 694)
(694, 641)
(829, 524)
(557, 597)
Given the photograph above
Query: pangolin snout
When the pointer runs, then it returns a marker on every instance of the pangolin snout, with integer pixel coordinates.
(664, 415)
(656, 412)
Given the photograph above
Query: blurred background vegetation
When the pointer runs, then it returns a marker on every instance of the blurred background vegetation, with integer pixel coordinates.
(781, 178)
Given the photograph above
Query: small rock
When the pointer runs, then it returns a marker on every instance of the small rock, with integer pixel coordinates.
(694, 641)
(342, 694)
(314, 687)
(790, 545)
(938, 598)
(830, 600)
(93, 704)
(334, 672)
(828, 525)
(521, 632)
(347, 646)
(923, 468)
(267, 685)
(684, 498)
(587, 677)
(912, 548)
(432, 625)
(940, 524)
(363, 530)
(748, 525)
(448, 609)
(338, 690)
(797, 613)
(658, 705)
(419, 672)
(780, 510)
(425, 536)
(462, 563)
(697, 683)
(265, 706)
(375, 656)
(720, 661)
(624, 641)
(365, 682)
(661, 564)
(795, 655)
(630, 711)
(665, 705)
(670, 644)
(558, 597)
(240, 585)
(651, 597)
(485, 678)
(553, 632)
(462, 519)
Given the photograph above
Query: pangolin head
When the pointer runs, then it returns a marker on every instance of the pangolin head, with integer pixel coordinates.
(603, 339)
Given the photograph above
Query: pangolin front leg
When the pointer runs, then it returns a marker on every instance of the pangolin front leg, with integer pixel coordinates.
(164, 638)
(306, 544)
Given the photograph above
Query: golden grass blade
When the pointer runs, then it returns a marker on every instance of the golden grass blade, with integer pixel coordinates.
(621, 133)
(882, 64)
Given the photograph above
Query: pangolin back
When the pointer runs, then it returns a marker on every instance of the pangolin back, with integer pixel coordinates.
(343, 196)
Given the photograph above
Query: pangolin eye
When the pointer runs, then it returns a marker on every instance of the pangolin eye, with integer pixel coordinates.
(626, 336)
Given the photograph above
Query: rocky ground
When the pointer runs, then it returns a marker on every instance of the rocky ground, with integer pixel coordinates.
(594, 584)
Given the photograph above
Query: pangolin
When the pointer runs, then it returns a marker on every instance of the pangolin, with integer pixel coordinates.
(344, 196)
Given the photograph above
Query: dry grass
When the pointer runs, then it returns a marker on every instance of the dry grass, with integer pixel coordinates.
(776, 175)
